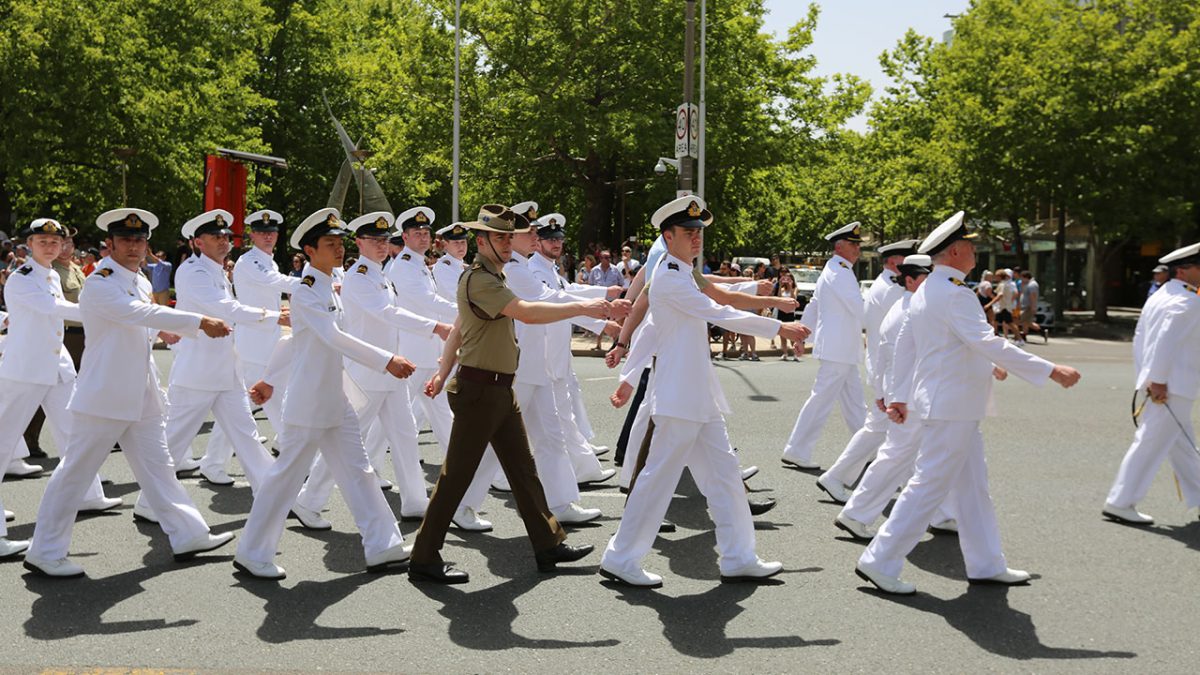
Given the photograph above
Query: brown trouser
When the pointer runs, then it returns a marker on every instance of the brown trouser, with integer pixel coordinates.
(485, 413)
(73, 339)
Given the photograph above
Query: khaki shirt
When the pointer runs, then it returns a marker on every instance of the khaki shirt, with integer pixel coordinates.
(489, 340)
(72, 283)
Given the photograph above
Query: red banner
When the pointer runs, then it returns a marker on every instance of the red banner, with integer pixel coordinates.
(225, 188)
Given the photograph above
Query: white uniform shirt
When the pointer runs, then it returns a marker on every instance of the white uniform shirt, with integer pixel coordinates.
(372, 316)
(883, 381)
(315, 395)
(558, 334)
(416, 291)
(686, 383)
(446, 273)
(1165, 345)
(837, 333)
(117, 378)
(211, 364)
(884, 293)
(955, 349)
(258, 283)
(34, 351)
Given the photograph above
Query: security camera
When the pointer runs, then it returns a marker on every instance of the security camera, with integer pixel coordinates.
(660, 169)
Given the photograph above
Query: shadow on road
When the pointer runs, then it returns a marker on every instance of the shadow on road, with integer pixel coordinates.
(983, 615)
(291, 613)
(756, 393)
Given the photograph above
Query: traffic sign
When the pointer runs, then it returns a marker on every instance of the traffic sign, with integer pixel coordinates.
(687, 130)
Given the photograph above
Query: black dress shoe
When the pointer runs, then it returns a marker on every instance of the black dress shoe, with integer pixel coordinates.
(761, 506)
(666, 527)
(546, 560)
(437, 572)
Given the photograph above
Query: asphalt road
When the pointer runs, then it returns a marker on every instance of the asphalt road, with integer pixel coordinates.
(1106, 598)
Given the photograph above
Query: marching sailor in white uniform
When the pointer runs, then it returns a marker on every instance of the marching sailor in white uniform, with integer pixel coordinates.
(450, 267)
(117, 399)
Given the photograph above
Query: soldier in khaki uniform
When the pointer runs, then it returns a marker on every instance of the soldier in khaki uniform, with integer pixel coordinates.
(484, 343)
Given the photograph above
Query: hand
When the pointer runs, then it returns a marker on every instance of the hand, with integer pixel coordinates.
(214, 328)
(400, 367)
(785, 304)
(434, 386)
(806, 330)
(613, 358)
(765, 286)
(614, 292)
(621, 396)
(620, 309)
(285, 317)
(597, 309)
(879, 404)
(1000, 374)
(1068, 376)
(442, 330)
(261, 392)
(612, 329)
(898, 412)
(793, 332)
(1158, 392)
(167, 338)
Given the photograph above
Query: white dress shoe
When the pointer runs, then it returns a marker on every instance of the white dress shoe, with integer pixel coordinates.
(948, 526)
(802, 464)
(599, 450)
(883, 582)
(573, 514)
(311, 520)
(100, 504)
(755, 571)
(19, 468)
(389, 556)
(216, 476)
(12, 547)
(9, 516)
(1127, 515)
(186, 467)
(202, 544)
(834, 488)
(262, 570)
(749, 472)
(143, 513)
(1008, 577)
(639, 578)
(465, 518)
(383, 483)
(599, 477)
(500, 484)
(63, 567)
(859, 530)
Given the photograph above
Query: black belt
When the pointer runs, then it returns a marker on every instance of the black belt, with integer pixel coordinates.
(485, 376)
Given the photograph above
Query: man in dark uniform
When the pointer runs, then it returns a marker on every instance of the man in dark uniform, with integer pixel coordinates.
(484, 345)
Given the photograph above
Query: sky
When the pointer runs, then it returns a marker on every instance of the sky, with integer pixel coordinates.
(851, 34)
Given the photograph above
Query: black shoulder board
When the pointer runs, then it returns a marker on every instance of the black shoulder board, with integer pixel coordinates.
(445, 261)
(406, 256)
(25, 270)
(308, 280)
(672, 266)
(362, 269)
(104, 272)
(956, 281)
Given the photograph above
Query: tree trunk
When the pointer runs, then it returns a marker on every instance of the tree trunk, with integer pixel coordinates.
(6, 212)
(1060, 264)
(1099, 286)
(596, 223)
(1018, 241)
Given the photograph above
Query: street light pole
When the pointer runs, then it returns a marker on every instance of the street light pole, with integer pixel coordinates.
(124, 154)
(686, 181)
(457, 48)
(361, 156)
(703, 63)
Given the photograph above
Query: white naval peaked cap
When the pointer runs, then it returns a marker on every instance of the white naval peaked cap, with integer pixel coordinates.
(903, 247)
(923, 262)
(322, 222)
(216, 221)
(849, 232)
(1188, 255)
(550, 226)
(127, 222)
(950, 231)
(455, 231)
(688, 211)
(264, 220)
(374, 224)
(527, 209)
(46, 226)
(418, 216)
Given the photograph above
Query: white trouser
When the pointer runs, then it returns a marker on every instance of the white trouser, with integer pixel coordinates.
(342, 448)
(18, 402)
(950, 462)
(393, 412)
(376, 441)
(545, 442)
(836, 382)
(436, 410)
(862, 446)
(892, 468)
(1158, 438)
(187, 409)
(144, 446)
(21, 451)
(705, 449)
(583, 459)
(581, 417)
(219, 451)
